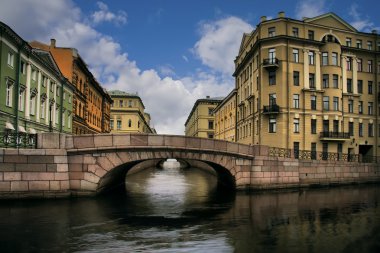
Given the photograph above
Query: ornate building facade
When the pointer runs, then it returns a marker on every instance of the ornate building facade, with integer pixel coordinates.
(310, 84)
(225, 118)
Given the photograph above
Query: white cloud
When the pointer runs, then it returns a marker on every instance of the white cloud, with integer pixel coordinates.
(168, 99)
(359, 22)
(219, 43)
(166, 70)
(310, 8)
(105, 15)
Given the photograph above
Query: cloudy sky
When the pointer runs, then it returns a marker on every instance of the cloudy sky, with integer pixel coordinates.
(170, 52)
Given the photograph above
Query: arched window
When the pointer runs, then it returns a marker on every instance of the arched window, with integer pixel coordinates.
(129, 123)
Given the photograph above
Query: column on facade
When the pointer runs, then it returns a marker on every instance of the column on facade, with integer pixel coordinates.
(344, 74)
(47, 103)
(306, 68)
(355, 75)
(38, 97)
(55, 103)
(27, 92)
(318, 70)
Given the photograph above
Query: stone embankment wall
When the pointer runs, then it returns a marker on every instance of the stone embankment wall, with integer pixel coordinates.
(58, 167)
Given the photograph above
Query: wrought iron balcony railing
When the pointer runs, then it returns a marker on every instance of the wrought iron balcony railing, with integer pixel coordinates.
(334, 135)
(271, 109)
(271, 63)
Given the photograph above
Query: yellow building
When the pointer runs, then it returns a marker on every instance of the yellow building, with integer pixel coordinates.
(225, 120)
(200, 122)
(127, 114)
(310, 84)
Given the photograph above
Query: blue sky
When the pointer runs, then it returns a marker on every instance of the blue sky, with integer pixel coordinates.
(171, 52)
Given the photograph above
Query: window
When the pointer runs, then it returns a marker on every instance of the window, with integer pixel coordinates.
(326, 103)
(334, 59)
(296, 78)
(313, 150)
(295, 31)
(370, 130)
(325, 80)
(311, 57)
(325, 58)
(313, 102)
(272, 77)
(210, 136)
(129, 123)
(272, 125)
(336, 103)
(310, 35)
(360, 86)
(359, 43)
(326, 126)
(349, 63)
(351, 128)
(21, 99)
(63, 118)
(335, 81)
(118, 124)
(348, 42)
(34, 74)
(272, 55)
(351, 106)
(360, 107)
(120, 103)
(370, 108)
(69, 99)
(111, 124)
(349, 85)
(369, 45)
(10, 60)
(9, 93)
(336, 126)
(44, 81)
(210, 110)
(360, 64)
(210, 124)
(313, 126)
(43, 102)
(23, 68)
(271, 31)
(129, 103)
(295, 55)
(370, 87)
(296, 124)
(361, 129)
(296, 101)
(56, 115)
(312, 80)
(370, 66)
(296, 149)
(272, 99)
(33, 105)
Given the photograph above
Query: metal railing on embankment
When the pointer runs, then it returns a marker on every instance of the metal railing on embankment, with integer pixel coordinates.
(316, 155)
(19, 140)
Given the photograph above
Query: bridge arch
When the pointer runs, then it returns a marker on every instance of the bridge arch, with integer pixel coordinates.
(96, 164)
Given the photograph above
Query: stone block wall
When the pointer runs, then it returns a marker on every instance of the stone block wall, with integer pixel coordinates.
(33, 173)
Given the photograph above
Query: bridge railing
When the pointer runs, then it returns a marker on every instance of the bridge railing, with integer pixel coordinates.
(317, 155)
(19, 140)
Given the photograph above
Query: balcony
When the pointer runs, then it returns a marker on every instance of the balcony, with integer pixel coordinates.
(334, 136)
(271, 63)
(271, 109)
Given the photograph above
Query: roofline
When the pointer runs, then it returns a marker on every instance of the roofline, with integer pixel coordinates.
(224, 101)
(209, 100)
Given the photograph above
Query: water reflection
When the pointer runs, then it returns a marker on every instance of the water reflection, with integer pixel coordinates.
(182, 211)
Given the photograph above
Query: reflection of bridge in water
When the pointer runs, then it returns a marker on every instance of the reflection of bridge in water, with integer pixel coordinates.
(89, 164)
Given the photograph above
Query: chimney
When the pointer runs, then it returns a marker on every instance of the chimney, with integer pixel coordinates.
(374, 31)
(263, 18)
(207, 96)
(52, 43)
(281, 14)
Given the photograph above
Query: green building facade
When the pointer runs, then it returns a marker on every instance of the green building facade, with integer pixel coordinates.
(34, 95)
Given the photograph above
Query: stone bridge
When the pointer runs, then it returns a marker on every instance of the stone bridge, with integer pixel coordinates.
(64, 165)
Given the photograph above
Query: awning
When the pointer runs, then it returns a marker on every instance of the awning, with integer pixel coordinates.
(32, 131)
(21, 129)
(9, 126)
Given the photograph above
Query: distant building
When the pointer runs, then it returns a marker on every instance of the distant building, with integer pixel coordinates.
(128, 115)
(201, 120)
(225, 118)
(34, 95)
(91, 103)
(310, 84)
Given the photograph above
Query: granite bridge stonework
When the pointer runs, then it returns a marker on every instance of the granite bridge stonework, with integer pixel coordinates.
(69, 165)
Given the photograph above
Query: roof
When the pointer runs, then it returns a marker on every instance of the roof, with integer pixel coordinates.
(226, 99)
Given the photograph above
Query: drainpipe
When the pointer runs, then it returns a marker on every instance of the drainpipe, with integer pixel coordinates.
(61, 109)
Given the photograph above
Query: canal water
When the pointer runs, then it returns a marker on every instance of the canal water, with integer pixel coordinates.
(181, 210)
